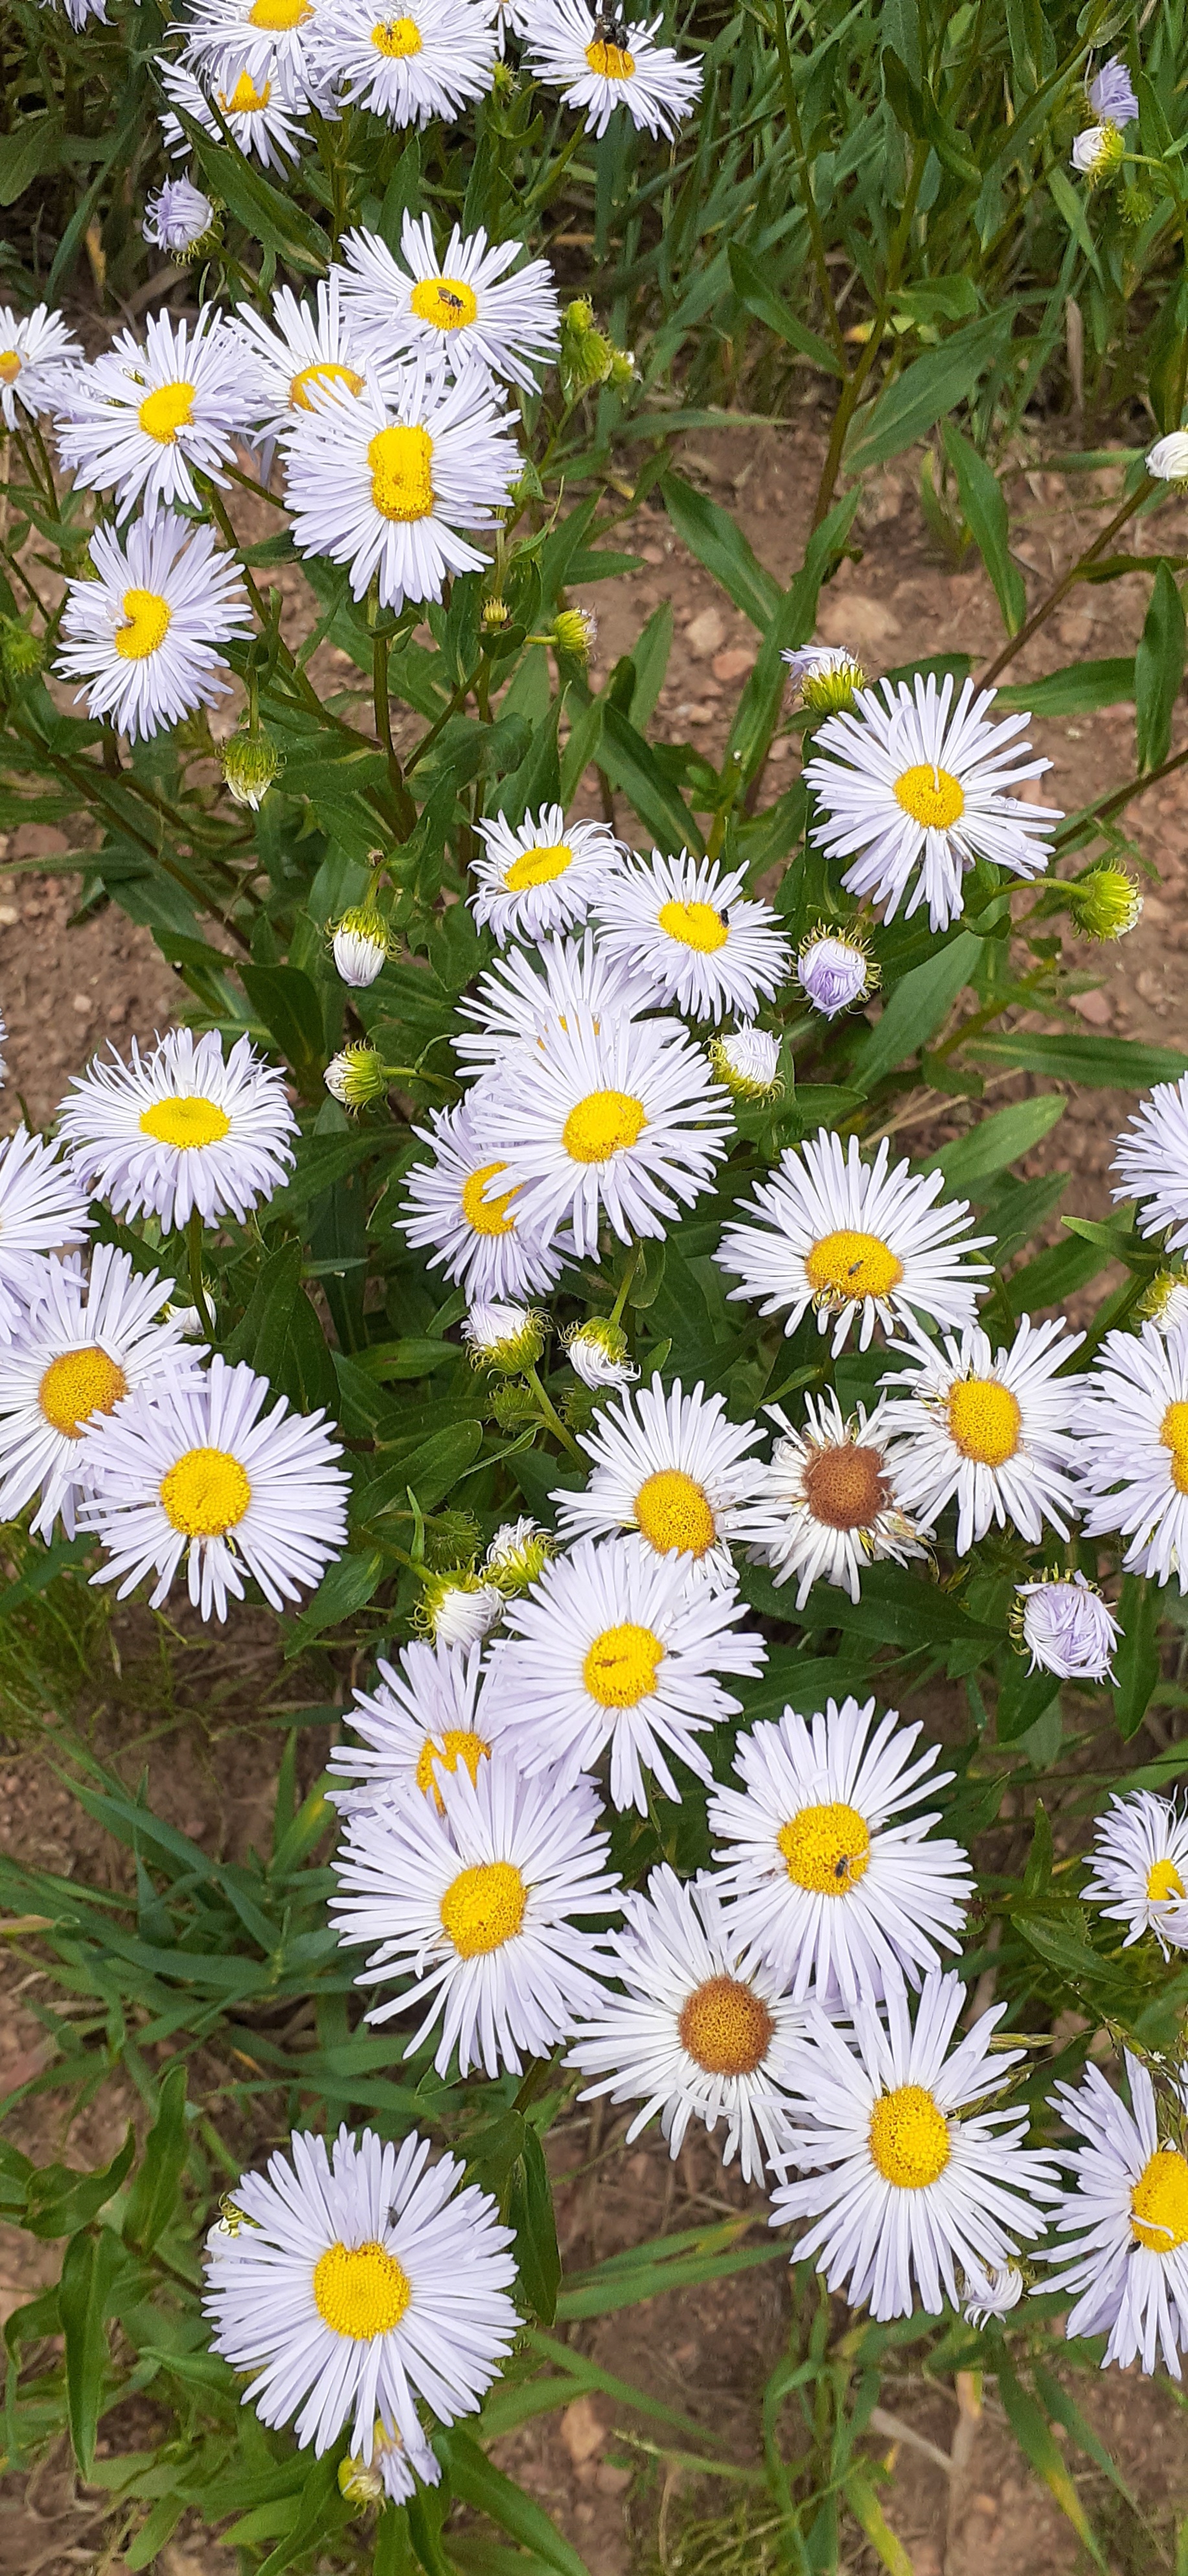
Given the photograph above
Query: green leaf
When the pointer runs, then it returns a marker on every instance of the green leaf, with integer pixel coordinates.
(89, 2269)
(290, 1008)
(916, 1006)
(1137, 1662)
(630, 763)
(1035, 2439)
(485, 2488)
(996, 1141)
(753, 290)
(988, 522)
(59, 2201)
(1159, 670)
(531, 2214)
(269, 217)
(1113, 1064)
(346, 1588)
(30, 148)
(1022, 1700)
(858, 2490)
(718, 542)
(153, 2196)
(932, 386)
(1076, 691)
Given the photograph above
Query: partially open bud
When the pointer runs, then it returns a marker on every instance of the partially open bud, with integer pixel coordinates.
(1064, 1623)
(361, 945)
(507, 1338)
(357, 1075)
(457, 1609)
(516, 1556)
(251, 764)
(987, 2295)
(1168, 459)
(1098, 154)
(181, 220)
(598, 1352)
(825, 677)
(622, 368)
(574, 632)
(1106, 903)
(748, 1062)
(1165, 1301)
(834, 971)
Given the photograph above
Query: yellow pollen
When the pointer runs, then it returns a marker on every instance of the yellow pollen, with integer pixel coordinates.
(696, 925)
(726, 2027)
(1173, 1435)
(621, 1666)
(827, 1849)
(459, 1744)
(165, 411)
(447, 302)
(1163, 1880)
(396, 38)
(325, 371)
(147, 617)
(1159, 2202)
(847, 1266)
(602, 1124)
(844, 1486)
(909, 2137)
(184, 1119)
(10, 366)
(360, 2291)
(537, 866)
(932, 796)
(245, 98)
(205, 1493)
(279, 16)
(613, 61)
(483, 1907)
(487, 1216)
(401, 479)
(79, 1384)
(672, 1511)
(984, 1420)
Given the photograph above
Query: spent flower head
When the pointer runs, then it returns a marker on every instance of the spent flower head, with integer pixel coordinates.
(574, 632)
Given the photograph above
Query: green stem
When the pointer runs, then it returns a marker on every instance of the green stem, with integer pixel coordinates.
(197, 1286)
(816, 235)
(616, 1313)
(1049, 605)
(552, 1417)
(1107, 806)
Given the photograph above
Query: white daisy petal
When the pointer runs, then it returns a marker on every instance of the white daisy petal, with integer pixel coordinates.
(87, 1343)
(528, 993)
(265, 116)
(685, 924)
(458, 309)
(427, 58)
(42, 1209)
(1133, 1453)
(424, 1716)
(143, 635)
(142, 420)
(828, 1505)
(386, 486)
(542, 874)
(39, 359)
(1067, 1628)
(180, 1128)
(671, 1467)
(1152, 1159)
(1127, 2216)
(306, 345)
(989, 1428)
(600, 62)
(478, 1235)
(269, 39)
(1140, 1868)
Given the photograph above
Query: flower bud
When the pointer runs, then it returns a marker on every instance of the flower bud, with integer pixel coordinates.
(825, 677)
(360, 943)
(586, 355)
(250, 764)
(513, 1404)
(574, 632)
(834, 971)
(1106, 903)
(1165, 1301)
(517, 1555)
(496, 615)
(20, 651)
(357, 1075)
(598, 1352)
(622, 368)
(457, 1609)
(1168, 459)
(507, 1338)
(747, 1061)
(1067, 1627)
(180, 219)
(358, 2484)
(1098, 154)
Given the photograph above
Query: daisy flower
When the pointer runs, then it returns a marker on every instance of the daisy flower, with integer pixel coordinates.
(177, 217)
(85, 1345)
(434, 59)
(902, 2182)
(264, 117)
(685, 924)
(474, 1232)
(39, 357)
(458, 310)
(528, 993)
(1133, 1450)
(856, 1242)
(203, 1473)
(42, 1209)
(987, 1427)
(599, 63)
(352, 2281)
(179, 1129)
(1111, 93)
(670, 1466)
(1127, 2214)
(619, 1119)
(1152, 1159)
(612, 1649)
(143, 421)
(747, 1060)
(143, 635)
(385, 486)
(477, 1896)
(700, 2032)
(306, 345)
(828, 1506)
(423, 1717)
(540, 875)
(830, 1877)
(834, 973)
(265, 38)
(1067, 1628)
(910, 780)
(1140, 1869)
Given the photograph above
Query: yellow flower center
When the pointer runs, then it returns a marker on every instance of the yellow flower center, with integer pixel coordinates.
(10, 366)
(984, 1420)
(847, 1266)
(726, 2027)
(447, 302)
(325, 371)
(79, 1384)
(483, 1907)
(245, 98)
(621, 1666)
(537, 866)
(459, 1744)
(396, 38)
(909, 2137)
(672, 1511)
(1159, 2202)
(278, 16)
(602, 1124)
(1163, 1880)
(360, 2291)
(167, 410)
(827, 1849)
(487, 1216)
(844, 1486)
(1173, 1434)
(146, 626)
(931, 796)
(185, 1118)
(401, 479)
(612, 61)
(205, 1493)
(696, 925)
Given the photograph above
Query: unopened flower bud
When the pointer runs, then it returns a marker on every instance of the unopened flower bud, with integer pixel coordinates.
(1067, 1627)
(1165, 1301)
(360, 942)
(825, 677)
(20, 651)
(622, 368)
(357, 1075)
(504, 1337)
(1168, 459)
(496, 614)
(516, 1556)
(748, 1062)
(180, 219)
(457, 1609)
(1098, 154)
(250, 763)
(574, 632)
(358, 2484)
(586, 356)
(598, 1352)
(1106, 903)
(834, 972)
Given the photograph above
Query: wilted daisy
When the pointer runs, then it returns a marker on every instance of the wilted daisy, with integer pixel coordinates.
(143, 634)
(352, 2282)
(541, 874)
(86, 1343)
(825, 677)
(469, 1227)
(988, 2296)
(423, 1717)
(597, 1352)
(829, 1875)
(1152, 1160)
(42, 1209)
(702, 2031)
(1167, 461)
(903, 2183)
(989, 1428)
(913, 780)
(433, 59)
(747, 1061)
(177, 217)
(302, 346)
(1133, 1451)
(671, 1467)
(265, 116)
(386, 486)
(621, 1121)
(458, 309)
(1140, 1868)
(614, 1650)
(478, 1896)
(1067, 1628)
(1127, 2216)
(530, 992)
(600, 62)
(827, 1505)
(39, 356)
(1111, 93)
(205, 1474)
(685, 924)
(141, 421)
(835, 972)
(181, 1128)
(855, 1242)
